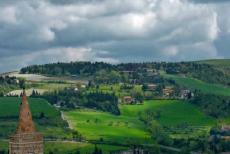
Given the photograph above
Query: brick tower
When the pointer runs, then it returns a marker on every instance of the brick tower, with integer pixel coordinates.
(26, 140)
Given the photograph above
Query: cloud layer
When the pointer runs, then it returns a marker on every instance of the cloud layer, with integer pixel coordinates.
(113, 31)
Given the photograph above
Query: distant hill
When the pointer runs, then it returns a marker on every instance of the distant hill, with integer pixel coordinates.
(219, 64)
(211, 71)
(216, 62)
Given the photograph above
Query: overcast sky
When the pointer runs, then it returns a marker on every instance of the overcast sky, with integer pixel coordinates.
(44, 31)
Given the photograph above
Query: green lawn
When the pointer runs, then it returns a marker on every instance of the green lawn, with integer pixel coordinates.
(178, 118)
(200, 85)
(173, 112)
(3, 145)
(84, 148)
(9, 107)
(51, 126)
(95, 125)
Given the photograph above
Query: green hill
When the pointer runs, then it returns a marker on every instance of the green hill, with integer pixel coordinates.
(216, 62)
(179, 118)
(204, 87)
(51, 125)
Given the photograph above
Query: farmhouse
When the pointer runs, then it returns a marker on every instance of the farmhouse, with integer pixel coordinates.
(152, 87)
(168, 91)
(128, 99)
(186, 94)
(26, 140)
(225, 128)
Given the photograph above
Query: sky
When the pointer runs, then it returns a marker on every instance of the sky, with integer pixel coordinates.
(113, 31)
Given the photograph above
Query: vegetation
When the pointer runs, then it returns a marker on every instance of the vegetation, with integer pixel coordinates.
(198, 85)
(47, 118)
(137, 72)
(179, 119)
(71, 98)
(213, 105)
(174, 104)
(105, 127)
(9, 83)
(70, 148)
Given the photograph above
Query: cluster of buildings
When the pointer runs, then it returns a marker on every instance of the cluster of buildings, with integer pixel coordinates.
(167, 92)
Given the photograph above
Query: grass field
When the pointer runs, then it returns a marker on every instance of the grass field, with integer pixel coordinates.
(180, 118)
(200, 85)
(173, 112)
(51, 125)
(216, 62)
(70, 147)
(84, 148)
(117, 89)
(95, 125)
(9, 107)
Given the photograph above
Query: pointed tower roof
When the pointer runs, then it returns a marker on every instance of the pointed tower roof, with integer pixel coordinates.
(25, 124)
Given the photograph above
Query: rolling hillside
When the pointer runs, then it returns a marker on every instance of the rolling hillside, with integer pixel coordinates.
(181, 119)
(50, 124)
(204, 87)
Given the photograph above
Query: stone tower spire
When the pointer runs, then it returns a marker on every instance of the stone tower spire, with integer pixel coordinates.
(26, 140)
(25, 124)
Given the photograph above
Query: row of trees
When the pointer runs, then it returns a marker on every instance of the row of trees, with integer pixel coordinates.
(70, 98)
(213, 105)
(141, 72)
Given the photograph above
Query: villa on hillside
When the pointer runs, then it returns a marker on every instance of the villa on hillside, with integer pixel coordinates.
(152, 87)
(225, 132)
(128, 100)
(168, 91)
(186, 94)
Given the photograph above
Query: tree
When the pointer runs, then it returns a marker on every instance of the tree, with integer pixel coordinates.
(159, 134)
(97, 150)
(42, 115)
(22, 84)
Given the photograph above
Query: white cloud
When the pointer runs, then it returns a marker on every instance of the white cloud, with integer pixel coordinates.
(127, 30)
(8, 15)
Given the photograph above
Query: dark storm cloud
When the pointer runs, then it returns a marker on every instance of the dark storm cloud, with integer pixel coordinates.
(111, 30)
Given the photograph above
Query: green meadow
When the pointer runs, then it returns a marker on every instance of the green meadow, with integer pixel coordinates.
(70, 147)
(204, 87)
(96, 125)
(84, 148)
(9, 107)
(216, 62)
(180, 119)
(173, 112)
(51, 125)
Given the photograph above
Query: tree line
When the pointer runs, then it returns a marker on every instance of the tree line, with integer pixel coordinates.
(126, 72)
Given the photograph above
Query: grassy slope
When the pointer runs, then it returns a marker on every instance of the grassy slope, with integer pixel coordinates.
(220, 64)
(217, 62)
(61, 148)
(114, 128)
(69, 147)
(95, 125)
(173, 112)
(9, 107)
(200, 85)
